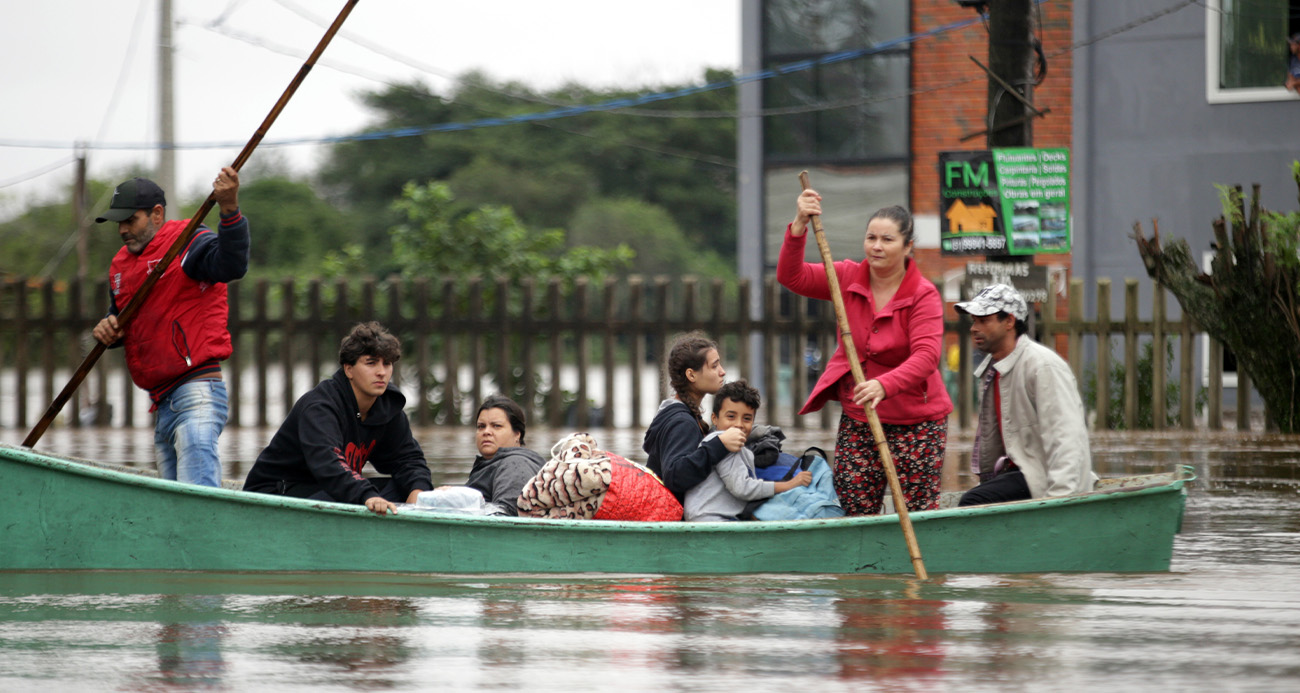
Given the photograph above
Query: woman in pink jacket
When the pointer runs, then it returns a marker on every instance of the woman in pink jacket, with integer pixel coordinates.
(896, 316)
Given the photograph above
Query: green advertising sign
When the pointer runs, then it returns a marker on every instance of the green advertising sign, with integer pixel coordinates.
(1035, 190)
(1004, 202)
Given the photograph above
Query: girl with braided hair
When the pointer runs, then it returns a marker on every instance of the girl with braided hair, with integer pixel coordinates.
(672, 443)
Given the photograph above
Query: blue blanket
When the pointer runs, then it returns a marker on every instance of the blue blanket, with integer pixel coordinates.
(816, 500)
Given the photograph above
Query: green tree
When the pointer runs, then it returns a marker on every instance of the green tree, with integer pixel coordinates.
(549, 193)
(42, 240)
(648, 229)
(292, 227)
(438, 237)
(1250, 300)
(435, 239)
(547, 170)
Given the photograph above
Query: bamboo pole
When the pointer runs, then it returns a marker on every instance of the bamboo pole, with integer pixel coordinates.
(127, 313)
(846, 336)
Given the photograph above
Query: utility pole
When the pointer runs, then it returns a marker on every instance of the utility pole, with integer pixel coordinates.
(166, 111)
(82, 222)
(1011, 109)
(102, 411)
(80, 219)
(1011, 56)
(750, 179)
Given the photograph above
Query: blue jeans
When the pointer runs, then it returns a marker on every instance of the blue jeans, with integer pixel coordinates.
(185, 434)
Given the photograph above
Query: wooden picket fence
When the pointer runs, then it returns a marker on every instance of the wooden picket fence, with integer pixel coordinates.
(583, 355)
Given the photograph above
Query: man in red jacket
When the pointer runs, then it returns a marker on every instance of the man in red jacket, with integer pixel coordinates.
(176, 341)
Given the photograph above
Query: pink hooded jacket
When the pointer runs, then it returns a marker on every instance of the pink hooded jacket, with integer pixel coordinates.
(898, 346)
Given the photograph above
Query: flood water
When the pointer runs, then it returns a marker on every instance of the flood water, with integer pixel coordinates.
(1226, 617)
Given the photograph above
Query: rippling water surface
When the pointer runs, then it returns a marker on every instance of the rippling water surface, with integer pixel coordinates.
(1226, 617)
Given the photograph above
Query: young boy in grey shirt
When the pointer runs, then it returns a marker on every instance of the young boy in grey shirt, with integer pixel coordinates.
(722, 495)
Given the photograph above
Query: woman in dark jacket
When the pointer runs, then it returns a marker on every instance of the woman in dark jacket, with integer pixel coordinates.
(503, 464)
(672, 443)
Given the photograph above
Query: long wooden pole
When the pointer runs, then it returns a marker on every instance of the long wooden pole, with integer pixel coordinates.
(124, 316)
(846, 336)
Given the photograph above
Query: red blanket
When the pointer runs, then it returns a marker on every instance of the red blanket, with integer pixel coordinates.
(582, 482)
(635, 493)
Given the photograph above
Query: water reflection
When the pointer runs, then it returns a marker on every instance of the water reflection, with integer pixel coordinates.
(582, 632)
(498, 650)
(189, 645)
(372, 646)
(1226, 617)
(883, 639)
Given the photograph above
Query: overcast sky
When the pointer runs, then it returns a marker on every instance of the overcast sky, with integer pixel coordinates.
(86, 71)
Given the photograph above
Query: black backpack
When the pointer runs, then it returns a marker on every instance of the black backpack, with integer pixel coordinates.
(783, 466)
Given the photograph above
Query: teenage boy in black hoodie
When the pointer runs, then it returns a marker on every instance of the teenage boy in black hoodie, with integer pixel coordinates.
(332, 431)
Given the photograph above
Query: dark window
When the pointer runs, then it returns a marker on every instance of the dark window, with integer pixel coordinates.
(860, 114)
(1253, 35)
(854, 111)
(803, 27)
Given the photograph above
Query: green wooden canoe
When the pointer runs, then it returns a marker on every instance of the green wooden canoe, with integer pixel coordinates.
(66, 514)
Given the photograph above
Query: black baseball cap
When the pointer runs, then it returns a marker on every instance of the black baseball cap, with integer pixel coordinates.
(137, 193)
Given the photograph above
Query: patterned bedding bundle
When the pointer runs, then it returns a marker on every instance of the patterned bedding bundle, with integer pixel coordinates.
(582, 482)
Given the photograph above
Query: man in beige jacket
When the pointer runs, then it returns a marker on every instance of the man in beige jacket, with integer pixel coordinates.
(1032, 438)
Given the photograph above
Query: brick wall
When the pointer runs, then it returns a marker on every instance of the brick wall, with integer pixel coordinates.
(943, 112)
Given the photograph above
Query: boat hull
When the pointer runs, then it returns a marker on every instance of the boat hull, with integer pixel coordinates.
(63, 514)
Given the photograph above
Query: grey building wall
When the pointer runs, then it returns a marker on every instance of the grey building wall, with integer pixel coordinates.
(1147, 142)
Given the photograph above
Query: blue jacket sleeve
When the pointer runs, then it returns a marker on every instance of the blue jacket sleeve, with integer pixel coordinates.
(684, 461)
(113, 310)
(219, 257)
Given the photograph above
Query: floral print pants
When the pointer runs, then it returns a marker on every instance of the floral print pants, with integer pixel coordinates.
(917, 451)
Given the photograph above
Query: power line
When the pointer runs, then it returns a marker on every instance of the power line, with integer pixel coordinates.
(1236, 11)
(556, 113)
(385, 51)
(627, 104)
(658, 149)
(230, 9)
(1133, 24)
(122, 71)
(284, 50)
(37, 173)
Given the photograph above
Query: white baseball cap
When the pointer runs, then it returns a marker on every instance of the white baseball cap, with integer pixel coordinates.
(996, 298)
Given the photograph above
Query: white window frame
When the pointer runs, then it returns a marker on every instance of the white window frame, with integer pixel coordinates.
(1229, 381)
(1214, 94)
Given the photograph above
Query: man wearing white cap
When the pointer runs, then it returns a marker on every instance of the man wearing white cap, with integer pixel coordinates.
(1032, 439)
